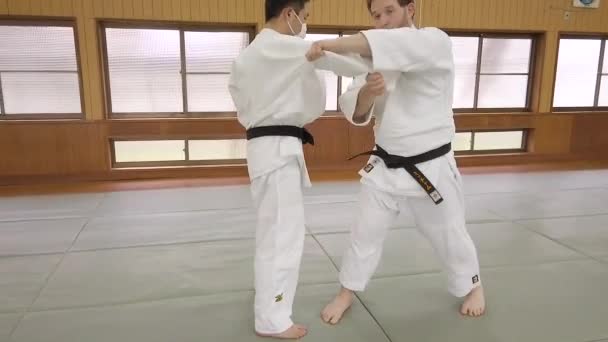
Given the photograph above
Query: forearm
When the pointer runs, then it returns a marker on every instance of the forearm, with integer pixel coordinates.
(352, 44)
(349, 66)
(365, 102)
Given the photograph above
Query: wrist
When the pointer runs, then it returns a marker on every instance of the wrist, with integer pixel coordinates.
(327, 45)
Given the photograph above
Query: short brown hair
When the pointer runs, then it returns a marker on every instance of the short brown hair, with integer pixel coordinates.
(402, 3)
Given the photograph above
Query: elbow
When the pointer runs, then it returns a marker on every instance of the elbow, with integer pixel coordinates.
(365, 49)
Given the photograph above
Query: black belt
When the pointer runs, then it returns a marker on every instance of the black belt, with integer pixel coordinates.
(409, 164)
(285, 131)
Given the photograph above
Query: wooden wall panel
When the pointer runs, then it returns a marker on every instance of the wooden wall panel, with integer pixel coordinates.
(589, 134)
(552, 134)
(52, 149)
(3, 7)
(330, 137)
(20, 7)
(210, 129)
(360, 139)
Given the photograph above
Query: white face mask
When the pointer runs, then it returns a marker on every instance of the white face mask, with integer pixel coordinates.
(302, 33)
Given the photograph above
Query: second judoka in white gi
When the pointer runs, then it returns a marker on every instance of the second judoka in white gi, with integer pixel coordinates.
(410, 95)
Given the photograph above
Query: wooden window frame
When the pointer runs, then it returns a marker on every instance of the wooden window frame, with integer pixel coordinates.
(534, 37)
(176, 163)
(472, 152)
(182, 28)
(46, 22)
(603, 46)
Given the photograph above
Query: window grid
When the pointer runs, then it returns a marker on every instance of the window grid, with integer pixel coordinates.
(472, 150)
(600, 74)
(185, 161)
(478, 73)
(600, 77)
(44, 116)
(183, 29)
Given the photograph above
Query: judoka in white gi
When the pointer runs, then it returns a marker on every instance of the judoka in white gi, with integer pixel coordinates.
(410, 95)
(277, 91)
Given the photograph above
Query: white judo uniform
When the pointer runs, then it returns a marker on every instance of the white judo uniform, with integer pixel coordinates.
(412, 117)
(272, 84)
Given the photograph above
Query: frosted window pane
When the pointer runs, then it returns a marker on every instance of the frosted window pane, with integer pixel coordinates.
(465, 54)
(209, 93)
(331, 87)
(213, 51)
(503, 91)
(149, 151)
(462, 141)
(39, 92)
(605, 68)
(218, 149)
(144, 70)
(506, 55)
(576, 76)
(603, 102)
(498, 140)
(465, 62)
(37, 48)
(464, 91)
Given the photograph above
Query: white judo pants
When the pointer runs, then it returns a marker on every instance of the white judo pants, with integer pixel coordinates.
(443, 226)
(279, 245)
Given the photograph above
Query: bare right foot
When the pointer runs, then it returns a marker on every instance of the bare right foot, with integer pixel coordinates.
(474, 304)
(333, 312)
(294, 333)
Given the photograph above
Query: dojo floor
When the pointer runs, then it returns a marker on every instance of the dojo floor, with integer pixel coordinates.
(176, 265)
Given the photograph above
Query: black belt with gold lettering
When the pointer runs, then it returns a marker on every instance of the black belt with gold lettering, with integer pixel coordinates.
(409, 164)
(285, 131)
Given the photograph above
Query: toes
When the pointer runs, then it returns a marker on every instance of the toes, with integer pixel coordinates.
(334, 320)
(326, 316)
(301, 331)
(463, 310)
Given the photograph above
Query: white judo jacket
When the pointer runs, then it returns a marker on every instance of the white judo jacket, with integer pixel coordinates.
(272, 83)
(415, 114)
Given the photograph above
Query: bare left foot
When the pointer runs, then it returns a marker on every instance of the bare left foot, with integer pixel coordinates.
(474, 304)
(333, 312)
(295, 332)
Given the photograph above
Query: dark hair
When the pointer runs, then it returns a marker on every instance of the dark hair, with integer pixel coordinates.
(402, 3)
(274, 7)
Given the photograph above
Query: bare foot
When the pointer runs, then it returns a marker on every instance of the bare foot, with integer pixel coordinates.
(474, 304)
(294, 333)
(334, 311)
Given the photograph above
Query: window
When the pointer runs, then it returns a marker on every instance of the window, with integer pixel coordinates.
(178, 152)
(490, 142)
(493, 73)
(39, 72)
(581, 80)
(170, 71)
(335, 85)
